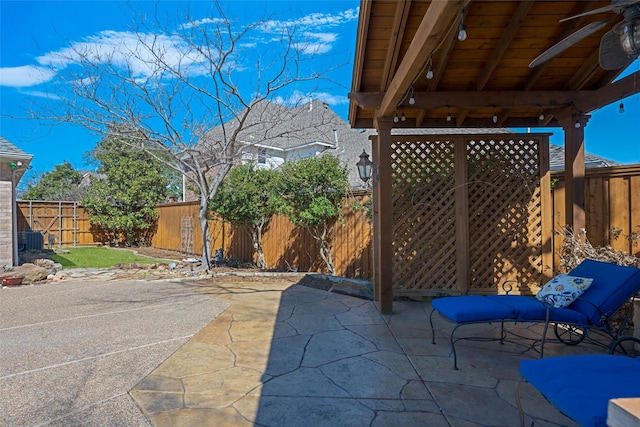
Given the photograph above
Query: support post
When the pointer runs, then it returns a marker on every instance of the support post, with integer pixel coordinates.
(462, 216)
(383, 217)
(573, 127)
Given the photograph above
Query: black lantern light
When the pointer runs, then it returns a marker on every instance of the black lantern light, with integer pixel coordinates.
(365, 166)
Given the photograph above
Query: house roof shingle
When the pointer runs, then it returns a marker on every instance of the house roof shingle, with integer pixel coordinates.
(278, 127)
(9, 150)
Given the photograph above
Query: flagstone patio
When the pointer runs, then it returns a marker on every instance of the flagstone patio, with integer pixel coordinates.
(289, 355)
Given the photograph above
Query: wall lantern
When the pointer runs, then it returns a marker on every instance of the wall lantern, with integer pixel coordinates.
(365, 167)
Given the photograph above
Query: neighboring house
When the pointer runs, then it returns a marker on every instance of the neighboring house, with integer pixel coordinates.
(275, 134)
(556, 159)
(13, 163)
(314, 129)
(88, 176)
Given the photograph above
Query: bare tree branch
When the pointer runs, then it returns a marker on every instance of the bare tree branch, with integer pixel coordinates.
(174, 92)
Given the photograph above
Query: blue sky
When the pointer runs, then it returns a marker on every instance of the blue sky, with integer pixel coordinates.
(33, 31)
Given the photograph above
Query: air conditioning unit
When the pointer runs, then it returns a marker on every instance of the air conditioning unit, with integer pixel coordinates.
(31, 240)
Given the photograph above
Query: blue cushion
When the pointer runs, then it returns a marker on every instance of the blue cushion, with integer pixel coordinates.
(581, 386)
(473, 308)
(529, 309)
(612, 286)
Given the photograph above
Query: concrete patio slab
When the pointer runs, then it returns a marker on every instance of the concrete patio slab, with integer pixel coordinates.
(70, 351)
(301, 356)
(251, 351)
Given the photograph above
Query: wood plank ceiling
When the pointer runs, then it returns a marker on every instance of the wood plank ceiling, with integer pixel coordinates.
(485, 80)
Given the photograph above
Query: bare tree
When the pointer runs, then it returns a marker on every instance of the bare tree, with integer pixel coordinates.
(179, 88)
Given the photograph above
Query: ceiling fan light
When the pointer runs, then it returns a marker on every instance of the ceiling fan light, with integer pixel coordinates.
(630, 37)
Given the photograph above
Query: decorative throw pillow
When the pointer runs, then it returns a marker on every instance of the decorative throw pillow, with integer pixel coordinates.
(563, 289)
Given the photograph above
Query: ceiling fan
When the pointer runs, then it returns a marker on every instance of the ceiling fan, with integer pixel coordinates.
(619, 46)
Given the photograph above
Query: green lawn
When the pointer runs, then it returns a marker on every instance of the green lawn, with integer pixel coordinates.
(99, 257)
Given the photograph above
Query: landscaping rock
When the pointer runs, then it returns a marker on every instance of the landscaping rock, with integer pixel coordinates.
(31, 273)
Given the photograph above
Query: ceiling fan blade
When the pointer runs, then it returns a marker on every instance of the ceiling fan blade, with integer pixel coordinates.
(615, 6)
(568, 42)
(612, 56)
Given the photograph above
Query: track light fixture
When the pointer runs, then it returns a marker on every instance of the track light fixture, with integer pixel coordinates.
(430, 69)
(462, 32)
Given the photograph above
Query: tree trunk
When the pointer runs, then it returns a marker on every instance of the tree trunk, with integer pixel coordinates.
(325, 247)
(204, 225)
(256, 236)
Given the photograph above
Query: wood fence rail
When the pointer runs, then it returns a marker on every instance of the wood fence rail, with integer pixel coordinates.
(612, 202)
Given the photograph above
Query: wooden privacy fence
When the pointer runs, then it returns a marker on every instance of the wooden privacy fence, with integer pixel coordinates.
(612, 203)
(286, 246)
(63, 223)
(612, 198)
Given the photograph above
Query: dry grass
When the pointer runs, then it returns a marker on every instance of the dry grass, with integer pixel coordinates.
(576, 247)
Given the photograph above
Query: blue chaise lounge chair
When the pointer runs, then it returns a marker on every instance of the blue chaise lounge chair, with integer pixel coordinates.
(611, 288)
(581, 386)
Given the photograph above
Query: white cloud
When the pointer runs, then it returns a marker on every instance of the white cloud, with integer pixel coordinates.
(313, 28)
(297, 97)
(313, 48)
(25, 76)
(131, 51)
(317, 43)
(201, 22)
(42, 94)
(313, 21)
(134, 51)
(331, 99)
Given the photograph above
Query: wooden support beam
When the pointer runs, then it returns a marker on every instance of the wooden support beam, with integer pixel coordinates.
(473, 99)
(505, 40)
(427, 122)
(395, 41)
(433, 27)
(463, 263)
(363, 29)
(592, 100)
(383, 214)
(574, 169)
(546, 201)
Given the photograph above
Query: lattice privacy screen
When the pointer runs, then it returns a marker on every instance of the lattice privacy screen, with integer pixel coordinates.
(491, 197)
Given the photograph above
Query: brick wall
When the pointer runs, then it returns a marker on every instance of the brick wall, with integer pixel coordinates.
(6, 230)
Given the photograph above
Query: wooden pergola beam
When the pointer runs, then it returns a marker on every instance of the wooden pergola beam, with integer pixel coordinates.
(473, 99)
(626, 86)
(503, 44)
(433, 28)
(395, 41)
